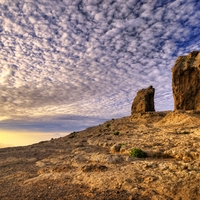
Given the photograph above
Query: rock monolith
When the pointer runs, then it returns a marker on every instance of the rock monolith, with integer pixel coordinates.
(186, 82)
(144, 101)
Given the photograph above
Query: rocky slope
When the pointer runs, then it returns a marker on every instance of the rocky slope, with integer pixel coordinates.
(96, 163)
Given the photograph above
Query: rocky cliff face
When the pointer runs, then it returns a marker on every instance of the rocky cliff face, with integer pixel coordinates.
(144, 101)
(186, 82)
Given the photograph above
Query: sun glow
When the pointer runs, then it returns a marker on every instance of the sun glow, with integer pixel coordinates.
(21, 138)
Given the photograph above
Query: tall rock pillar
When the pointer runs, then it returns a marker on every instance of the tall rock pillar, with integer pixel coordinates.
(186, 82)
(144, 101)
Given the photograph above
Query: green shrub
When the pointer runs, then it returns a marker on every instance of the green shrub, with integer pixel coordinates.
(107, 125)
(122, 144)
(185, 132)
(138, 153)
(116, 133)
(72, 135)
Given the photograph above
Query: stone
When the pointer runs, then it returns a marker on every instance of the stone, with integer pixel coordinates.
(94, 168)
(186, 82)
(115, 148)
(144, 101)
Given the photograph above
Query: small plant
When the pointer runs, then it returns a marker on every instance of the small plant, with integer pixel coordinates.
(72, 135)
(184, 132)
(122, 144)
(100, 130)
(138, 153)
(116, 133)
(107, 125)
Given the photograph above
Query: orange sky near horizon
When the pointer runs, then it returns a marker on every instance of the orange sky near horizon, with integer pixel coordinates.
(10, 138)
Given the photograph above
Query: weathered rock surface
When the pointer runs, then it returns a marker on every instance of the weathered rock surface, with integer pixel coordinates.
(95, 163)
(186, 82)
(144, 101)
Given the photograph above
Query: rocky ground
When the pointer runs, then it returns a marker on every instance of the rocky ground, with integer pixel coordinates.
(96, 163)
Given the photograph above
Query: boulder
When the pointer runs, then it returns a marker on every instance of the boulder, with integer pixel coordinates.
(144, 101)
(186, 82)
(115, 148)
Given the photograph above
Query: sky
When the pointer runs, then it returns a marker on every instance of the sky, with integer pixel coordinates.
(69, 64)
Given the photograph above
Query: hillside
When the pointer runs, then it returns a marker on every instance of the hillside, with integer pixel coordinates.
(95, 163)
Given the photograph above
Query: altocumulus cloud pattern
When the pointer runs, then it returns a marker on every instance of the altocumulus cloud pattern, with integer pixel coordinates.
(73, 60)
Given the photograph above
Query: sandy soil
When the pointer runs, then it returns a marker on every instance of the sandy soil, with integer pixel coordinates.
(96, 163)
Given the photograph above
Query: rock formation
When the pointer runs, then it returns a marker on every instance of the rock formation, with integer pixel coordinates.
(144, 101)
(186, 82)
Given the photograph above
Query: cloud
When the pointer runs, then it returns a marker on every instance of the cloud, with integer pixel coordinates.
(89, 58)
(52, 125)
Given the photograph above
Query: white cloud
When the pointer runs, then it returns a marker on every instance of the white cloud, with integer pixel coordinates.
(82, 57)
